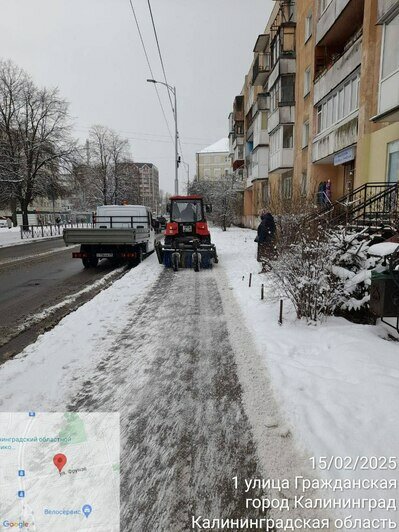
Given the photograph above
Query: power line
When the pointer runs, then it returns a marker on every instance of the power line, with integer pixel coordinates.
(159, 52)
(163, 69)
(149, 66)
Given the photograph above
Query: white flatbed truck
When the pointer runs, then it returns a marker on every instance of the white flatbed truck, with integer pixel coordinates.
(118, 232)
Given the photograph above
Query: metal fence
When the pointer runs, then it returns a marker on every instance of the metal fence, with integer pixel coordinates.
(42, 231)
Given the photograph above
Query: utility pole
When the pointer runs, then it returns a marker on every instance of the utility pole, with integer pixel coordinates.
(177, 161)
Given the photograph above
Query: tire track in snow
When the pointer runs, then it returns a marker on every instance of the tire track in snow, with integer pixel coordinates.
(184, 433)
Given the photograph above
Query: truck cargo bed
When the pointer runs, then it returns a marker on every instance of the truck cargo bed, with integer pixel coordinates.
(105, 236)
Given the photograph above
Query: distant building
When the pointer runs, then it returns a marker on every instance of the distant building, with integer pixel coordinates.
(149, 185)
(214, 161)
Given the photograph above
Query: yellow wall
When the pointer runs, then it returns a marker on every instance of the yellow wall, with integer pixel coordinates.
(373, 156)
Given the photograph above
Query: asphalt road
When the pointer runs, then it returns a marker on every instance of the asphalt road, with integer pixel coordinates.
(184, 430)
(34, 277)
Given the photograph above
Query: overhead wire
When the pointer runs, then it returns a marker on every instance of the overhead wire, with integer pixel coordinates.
(163, 70)
(149, 66)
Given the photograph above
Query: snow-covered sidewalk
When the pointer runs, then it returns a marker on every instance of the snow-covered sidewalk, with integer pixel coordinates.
(337, 383)
(12, 237)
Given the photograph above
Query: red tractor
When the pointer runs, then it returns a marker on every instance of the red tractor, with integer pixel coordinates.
(187, 239)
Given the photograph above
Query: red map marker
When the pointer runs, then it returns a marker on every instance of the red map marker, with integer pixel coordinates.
(59, 461)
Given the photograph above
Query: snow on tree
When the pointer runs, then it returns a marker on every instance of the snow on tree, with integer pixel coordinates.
(223, 194)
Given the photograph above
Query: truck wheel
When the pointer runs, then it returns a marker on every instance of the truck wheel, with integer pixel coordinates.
(93, 262)
(86, 262)
(137, 260)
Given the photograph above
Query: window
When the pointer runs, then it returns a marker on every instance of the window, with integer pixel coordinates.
(306, 82)
(305, 134)
(304, 185)
(393, 162)
(308, 26)
(319, 112)
(287, 89)
(263, 124)
(288, 136)
(390, 57)
(275, 142)
(287, 186)
(347, 98)
(207, 172)
(217, 172)
(335, 108)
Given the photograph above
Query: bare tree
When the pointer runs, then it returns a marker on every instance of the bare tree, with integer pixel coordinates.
(224, 196)
(101, 163)
(35, 140)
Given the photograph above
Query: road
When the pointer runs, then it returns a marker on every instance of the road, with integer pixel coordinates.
(184, 430)
(33, 278)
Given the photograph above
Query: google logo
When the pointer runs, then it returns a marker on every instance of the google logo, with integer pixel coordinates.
(15, 524)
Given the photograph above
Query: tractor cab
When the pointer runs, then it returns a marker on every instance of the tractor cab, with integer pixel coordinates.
(187, 218)
(187, 239)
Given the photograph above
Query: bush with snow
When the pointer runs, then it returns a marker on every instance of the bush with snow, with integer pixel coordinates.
(323, 271)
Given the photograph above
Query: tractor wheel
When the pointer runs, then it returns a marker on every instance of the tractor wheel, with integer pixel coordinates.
(175, 261)
(216, 259)
(86, 262)
(196, 262)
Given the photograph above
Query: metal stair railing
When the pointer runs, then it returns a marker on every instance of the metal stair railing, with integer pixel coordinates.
(371, 203)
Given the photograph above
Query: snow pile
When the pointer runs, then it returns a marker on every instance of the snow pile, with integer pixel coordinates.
(338, 383)
(70, 351)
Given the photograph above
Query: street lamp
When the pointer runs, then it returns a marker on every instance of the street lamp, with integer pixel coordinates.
(173, 91)
(187, 166)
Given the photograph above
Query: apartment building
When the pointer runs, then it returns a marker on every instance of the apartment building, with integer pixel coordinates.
(213, 162)
(327, 74)
(341, 141)
(149, 185)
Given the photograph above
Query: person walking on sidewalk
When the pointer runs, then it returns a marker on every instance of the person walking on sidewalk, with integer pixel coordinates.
(266, 239)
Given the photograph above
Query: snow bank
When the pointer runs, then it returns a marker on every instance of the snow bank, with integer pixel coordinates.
(338, 383)
(48, 372)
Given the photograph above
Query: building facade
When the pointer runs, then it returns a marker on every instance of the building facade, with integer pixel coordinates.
(213, 162)
(149, 185)
(328, 74)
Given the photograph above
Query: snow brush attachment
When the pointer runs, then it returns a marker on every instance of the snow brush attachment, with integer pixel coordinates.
(197, 256)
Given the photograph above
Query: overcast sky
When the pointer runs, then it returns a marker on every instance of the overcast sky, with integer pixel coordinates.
(91, 51)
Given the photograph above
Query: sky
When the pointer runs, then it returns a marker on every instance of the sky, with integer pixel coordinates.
(91, 51)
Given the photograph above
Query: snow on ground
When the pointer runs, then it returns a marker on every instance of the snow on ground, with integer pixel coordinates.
(338, 382)
(12, 237)
(48, 371)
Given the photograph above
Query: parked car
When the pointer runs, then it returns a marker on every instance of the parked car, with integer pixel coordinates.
(3, 222)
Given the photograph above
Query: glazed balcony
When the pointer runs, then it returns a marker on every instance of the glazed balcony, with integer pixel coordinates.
(338, 69)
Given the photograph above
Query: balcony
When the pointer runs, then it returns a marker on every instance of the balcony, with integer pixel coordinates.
(337, 71)
(261, 69)
(281, 160)
(285, 114)
(285, 65)
(338, 21)
(262, 103)
(332, 141)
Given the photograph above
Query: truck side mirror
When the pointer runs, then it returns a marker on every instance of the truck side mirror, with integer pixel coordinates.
(168, 208)
(208, 208)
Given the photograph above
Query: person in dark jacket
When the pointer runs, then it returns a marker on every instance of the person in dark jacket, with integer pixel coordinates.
(266, 238)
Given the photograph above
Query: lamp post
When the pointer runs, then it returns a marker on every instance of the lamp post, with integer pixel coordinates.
(173, 91)
(188, 174)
